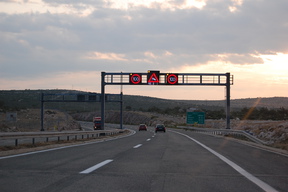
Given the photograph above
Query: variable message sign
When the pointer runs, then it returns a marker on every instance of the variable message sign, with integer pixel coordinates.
(135, 78)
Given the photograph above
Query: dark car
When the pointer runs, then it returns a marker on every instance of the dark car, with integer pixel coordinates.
(160, 127)
(142, 127)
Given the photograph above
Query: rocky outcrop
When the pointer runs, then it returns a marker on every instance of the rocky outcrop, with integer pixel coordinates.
(275, 133)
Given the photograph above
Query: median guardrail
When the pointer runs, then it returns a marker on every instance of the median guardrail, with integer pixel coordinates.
(35, 137)
(225, 132)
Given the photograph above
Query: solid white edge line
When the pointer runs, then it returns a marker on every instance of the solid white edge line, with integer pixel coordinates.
(240, 170)
(136, 146)
(89, 170)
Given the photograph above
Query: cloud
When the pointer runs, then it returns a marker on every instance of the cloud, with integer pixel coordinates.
(131, 4)
(138, 35)
(106, 56)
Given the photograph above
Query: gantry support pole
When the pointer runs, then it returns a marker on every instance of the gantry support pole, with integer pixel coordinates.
(42, 112)
(102, 100)
(227, 100)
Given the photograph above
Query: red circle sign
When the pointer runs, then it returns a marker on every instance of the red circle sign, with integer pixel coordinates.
(135, 78)
(172, 79)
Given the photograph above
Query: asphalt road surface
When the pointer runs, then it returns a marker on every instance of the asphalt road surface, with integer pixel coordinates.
(174, 161)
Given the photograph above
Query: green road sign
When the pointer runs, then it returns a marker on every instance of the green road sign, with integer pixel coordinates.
(195, 117)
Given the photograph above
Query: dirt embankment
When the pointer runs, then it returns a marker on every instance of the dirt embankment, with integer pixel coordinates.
(275, 133)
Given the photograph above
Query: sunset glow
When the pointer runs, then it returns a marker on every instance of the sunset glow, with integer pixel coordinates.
(67, 44)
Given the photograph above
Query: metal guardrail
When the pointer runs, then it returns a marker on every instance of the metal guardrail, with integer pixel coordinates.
(225, 132)
(60, 136)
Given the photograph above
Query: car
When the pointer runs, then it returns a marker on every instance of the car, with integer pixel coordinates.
(160, 127)
(142, 127)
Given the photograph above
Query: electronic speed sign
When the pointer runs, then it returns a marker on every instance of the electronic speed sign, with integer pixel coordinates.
(153, 77)
(172, 79)
(135, 78)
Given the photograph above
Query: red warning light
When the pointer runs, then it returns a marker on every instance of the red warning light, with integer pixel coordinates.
(135, 78)
(172, 79)
(153, 77)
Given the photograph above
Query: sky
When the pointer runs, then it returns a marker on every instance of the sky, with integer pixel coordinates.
(66, 44)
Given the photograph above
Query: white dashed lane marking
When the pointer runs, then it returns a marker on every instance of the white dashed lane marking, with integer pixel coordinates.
(137, 146)
(89, 170)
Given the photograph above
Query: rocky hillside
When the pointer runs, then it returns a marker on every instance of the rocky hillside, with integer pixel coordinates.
(133, 118)
(30, 120)
(274, 132)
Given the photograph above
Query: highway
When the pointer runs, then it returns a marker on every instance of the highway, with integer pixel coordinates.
(174, 161)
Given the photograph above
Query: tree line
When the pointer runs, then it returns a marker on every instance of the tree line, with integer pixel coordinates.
(245, 113)
(252, 113)
(262, 113)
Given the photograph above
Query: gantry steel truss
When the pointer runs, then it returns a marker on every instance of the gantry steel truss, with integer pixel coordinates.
(184, 79)
(204, 79)
(76, 97)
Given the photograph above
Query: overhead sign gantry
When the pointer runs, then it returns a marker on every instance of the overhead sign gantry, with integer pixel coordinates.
(76, 97)
(171, 79)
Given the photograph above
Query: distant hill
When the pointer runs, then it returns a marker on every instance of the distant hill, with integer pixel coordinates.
(23, 99)
(146, 102)
(269, 102)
